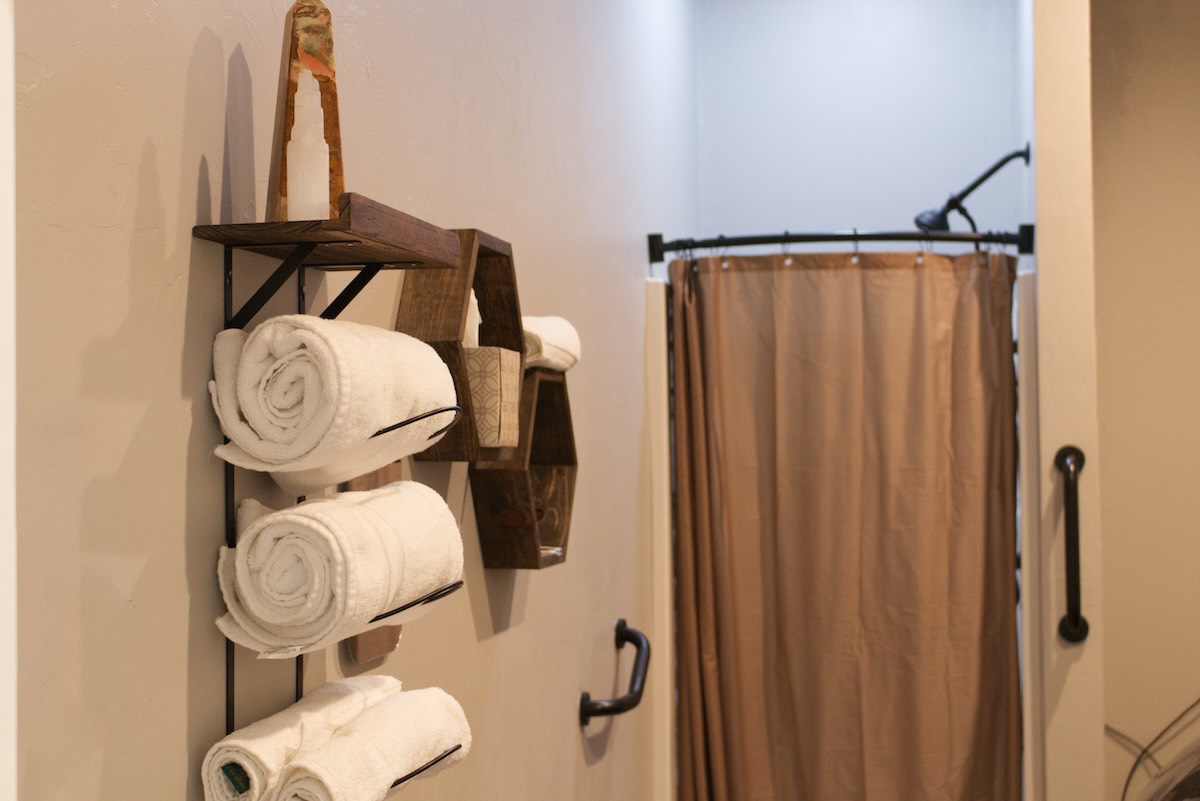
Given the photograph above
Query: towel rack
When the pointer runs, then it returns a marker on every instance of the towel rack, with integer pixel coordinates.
(426, 766)
(589, 709)
(437, 594)
(457, 415)
(241, 781)
(367, 237)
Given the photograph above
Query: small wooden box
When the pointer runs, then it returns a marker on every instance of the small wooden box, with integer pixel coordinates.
(494, 375)
(434, 310)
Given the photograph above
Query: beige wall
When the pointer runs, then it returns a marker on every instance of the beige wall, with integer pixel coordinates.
(560, 126)
(8, 416)
(1064, 686)
(1146, 67)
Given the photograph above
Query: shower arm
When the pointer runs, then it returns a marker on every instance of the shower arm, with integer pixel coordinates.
(939, 220)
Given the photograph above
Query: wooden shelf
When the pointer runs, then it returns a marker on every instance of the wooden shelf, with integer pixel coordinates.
(365, 232)
(523, 498)
(433, 308)
(523, 495)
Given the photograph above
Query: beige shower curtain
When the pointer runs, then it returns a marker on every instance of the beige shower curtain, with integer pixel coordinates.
(845, 511)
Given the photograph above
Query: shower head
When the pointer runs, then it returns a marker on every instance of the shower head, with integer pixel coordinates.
(939, 219)
(933, 220)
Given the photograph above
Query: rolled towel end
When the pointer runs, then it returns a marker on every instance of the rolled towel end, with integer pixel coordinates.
(245, 765)
(228, 775)
(303, 394)
(393, 740)
(551, 342)
(306, 577)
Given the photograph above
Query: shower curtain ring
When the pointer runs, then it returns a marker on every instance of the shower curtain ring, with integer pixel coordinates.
(854, 258)
(783, 246)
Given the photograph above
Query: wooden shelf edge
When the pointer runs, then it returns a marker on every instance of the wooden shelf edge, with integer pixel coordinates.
(494, 245)
(366, 232)
(374, 644)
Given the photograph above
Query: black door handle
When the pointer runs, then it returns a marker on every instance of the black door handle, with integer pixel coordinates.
(1074, 626)
(589, 709)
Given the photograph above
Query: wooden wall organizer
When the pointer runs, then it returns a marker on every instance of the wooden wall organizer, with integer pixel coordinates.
(368, 237)
(522, 495)
(433, 308)
(523, 500)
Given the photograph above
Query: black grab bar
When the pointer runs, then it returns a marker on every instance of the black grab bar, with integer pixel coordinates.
(589, 709)
(1074, 626)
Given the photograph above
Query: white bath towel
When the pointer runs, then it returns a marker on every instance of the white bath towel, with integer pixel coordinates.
(386, 742)
(550, 342)
(301, 397)
(306, 577)
(254, 755)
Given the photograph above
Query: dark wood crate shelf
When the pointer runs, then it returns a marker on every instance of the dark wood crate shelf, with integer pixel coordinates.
(433, 308)
(523, 498)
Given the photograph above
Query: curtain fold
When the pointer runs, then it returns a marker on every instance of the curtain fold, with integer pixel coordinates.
(845, 457)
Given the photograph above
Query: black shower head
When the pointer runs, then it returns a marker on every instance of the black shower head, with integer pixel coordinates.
(939, 219)
(933, 220)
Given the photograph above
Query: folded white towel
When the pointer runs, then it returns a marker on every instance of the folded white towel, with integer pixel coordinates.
(550, 342)
(301, 397)
(254, 755)
(386, 742)
(309, 576)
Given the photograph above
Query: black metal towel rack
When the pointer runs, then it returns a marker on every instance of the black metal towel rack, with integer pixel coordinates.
(426, 766)
(436, 595)
(293, 264)
(1023, 240)
(1069, 460)
(589, 709)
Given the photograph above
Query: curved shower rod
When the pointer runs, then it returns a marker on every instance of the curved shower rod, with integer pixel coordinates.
(1023, 239)
(932, 226)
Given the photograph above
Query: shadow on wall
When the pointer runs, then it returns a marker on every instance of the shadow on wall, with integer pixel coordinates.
(502, 604)
(170, 319)
(238, 201)
(596, 734)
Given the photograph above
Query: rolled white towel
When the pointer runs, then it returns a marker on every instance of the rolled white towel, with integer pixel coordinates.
(388, 741)
(301, 397)
(309, 576)
(550, 342)
(254, 755)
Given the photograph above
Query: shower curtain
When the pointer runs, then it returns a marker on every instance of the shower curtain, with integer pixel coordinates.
(846, 600)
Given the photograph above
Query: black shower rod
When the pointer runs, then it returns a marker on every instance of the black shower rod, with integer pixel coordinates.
(1023, 240)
